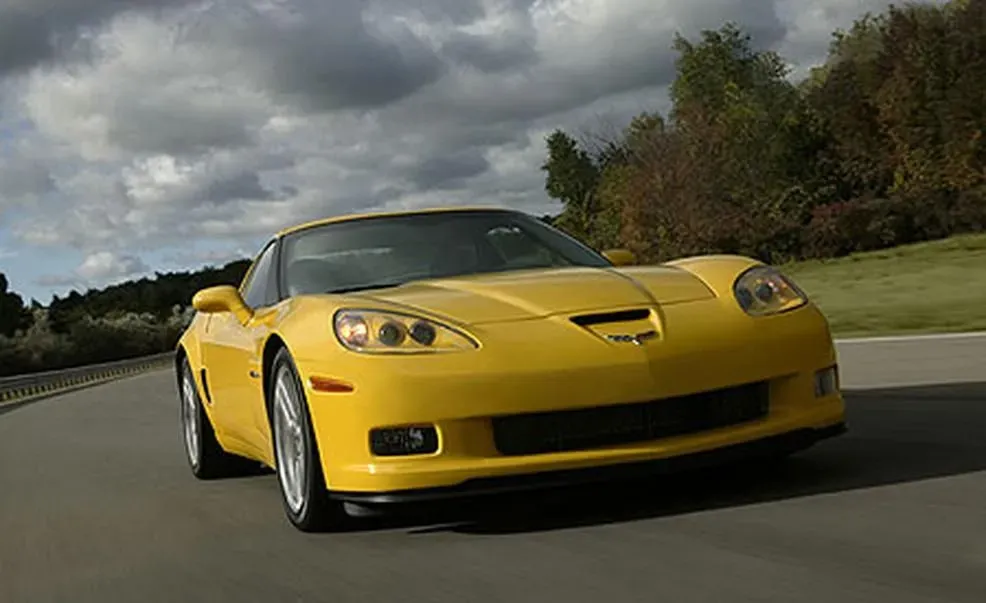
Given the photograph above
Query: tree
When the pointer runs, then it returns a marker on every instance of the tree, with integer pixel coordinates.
(739, 154)
(571, 177)
(14, 316)
(902, 94)
(124, 320)
(743, 119)
(156, 296)
(931, 102)
(884, 144)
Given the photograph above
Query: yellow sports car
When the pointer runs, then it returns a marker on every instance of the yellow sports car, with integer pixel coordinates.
(412, 356)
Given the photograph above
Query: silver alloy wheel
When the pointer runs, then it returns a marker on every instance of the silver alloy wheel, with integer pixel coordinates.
(289, 441)
(190, 419)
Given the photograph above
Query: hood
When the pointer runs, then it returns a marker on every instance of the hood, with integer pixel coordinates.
(523, 295)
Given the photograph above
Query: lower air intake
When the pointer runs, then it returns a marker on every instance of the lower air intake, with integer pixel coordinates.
(583, 429)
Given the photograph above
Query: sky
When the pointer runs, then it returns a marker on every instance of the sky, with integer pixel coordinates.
(156, 135)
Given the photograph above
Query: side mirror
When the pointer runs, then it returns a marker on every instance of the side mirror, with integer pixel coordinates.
(223, 298)
(620, 257)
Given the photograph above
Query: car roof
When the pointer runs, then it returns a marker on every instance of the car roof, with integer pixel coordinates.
(387, 214)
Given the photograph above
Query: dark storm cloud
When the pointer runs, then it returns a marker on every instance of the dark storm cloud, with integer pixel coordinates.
(510, 46)
(245, 185)
(34, 32)
(358, 72)
(492, 54)
(458, 12)
(320, 55)
(176, 129)
(348, 90)
(435, 173)
(621, 63)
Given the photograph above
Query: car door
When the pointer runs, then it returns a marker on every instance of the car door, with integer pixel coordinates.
(235, 352)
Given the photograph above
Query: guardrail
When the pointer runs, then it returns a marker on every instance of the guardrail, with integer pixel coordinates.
(22, 388)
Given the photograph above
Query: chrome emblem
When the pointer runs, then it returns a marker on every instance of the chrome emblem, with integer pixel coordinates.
(637, 339)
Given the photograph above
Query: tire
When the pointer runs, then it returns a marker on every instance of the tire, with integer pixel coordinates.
(205, 457)
(302, 483)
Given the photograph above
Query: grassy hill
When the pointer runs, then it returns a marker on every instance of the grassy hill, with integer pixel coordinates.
(937, 286)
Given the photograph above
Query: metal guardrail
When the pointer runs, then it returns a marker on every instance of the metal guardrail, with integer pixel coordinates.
(38, 385)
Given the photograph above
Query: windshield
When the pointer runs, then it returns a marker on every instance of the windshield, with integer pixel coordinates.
(389, 251)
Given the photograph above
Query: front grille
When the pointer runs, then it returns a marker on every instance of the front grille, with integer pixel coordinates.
(582, 429)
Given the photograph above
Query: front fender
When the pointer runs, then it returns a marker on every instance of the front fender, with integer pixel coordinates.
(189, 343)
(190, 346)
(718, 272)
(304, 325)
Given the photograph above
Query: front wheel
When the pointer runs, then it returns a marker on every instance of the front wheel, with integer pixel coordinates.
(296, 453)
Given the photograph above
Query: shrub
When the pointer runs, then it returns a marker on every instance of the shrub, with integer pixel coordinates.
(968, 212)
(90, 341)
(867, 224)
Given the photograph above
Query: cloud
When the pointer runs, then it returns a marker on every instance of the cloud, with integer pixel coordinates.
(105, 265)
(24, 178)
(211, 257)
(139, 126)
(34, 32)
(23, 181)
(99, 269)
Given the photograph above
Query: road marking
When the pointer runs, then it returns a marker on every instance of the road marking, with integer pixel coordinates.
(921, 337)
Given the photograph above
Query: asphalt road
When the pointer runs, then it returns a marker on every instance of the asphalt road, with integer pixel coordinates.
(96, 504)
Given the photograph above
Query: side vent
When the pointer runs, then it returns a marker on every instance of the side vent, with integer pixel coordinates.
(205, 387)
(586, 320)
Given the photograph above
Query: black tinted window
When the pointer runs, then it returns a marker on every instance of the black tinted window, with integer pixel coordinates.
(391, 250)
(256, 291)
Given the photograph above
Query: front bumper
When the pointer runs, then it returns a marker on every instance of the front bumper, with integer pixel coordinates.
(791, 441)
(461, 393)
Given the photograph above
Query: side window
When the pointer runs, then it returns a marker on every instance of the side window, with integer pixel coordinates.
(256, 291)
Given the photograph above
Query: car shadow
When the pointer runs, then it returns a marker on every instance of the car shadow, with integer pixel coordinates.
(896, 435)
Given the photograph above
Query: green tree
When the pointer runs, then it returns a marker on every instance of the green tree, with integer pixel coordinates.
(14, 316)
(882, 145)
(743, 118)
(903, 96)
(932, 101)
(571, 178)
(752, 146)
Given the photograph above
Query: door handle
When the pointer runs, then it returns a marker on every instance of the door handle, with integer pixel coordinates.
(254, 374)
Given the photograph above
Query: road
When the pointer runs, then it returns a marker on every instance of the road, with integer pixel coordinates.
(97, 505)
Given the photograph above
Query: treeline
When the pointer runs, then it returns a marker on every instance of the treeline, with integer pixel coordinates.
(884, 144)
(127, 320)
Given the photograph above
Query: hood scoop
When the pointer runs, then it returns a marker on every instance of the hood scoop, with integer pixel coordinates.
(621, 327)
(602, 318)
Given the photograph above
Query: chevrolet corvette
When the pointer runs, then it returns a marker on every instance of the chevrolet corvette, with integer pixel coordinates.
(415, 356)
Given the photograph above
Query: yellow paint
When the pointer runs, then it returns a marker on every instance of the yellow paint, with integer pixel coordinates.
(620, 257)
(529, 357)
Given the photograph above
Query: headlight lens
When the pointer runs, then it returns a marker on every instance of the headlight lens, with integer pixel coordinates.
(763, 290)
(377, 331)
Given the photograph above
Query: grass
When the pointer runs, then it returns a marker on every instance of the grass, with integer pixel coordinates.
(938, 286)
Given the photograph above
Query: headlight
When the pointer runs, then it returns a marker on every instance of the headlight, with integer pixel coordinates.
(763, 290)
(389, 332)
